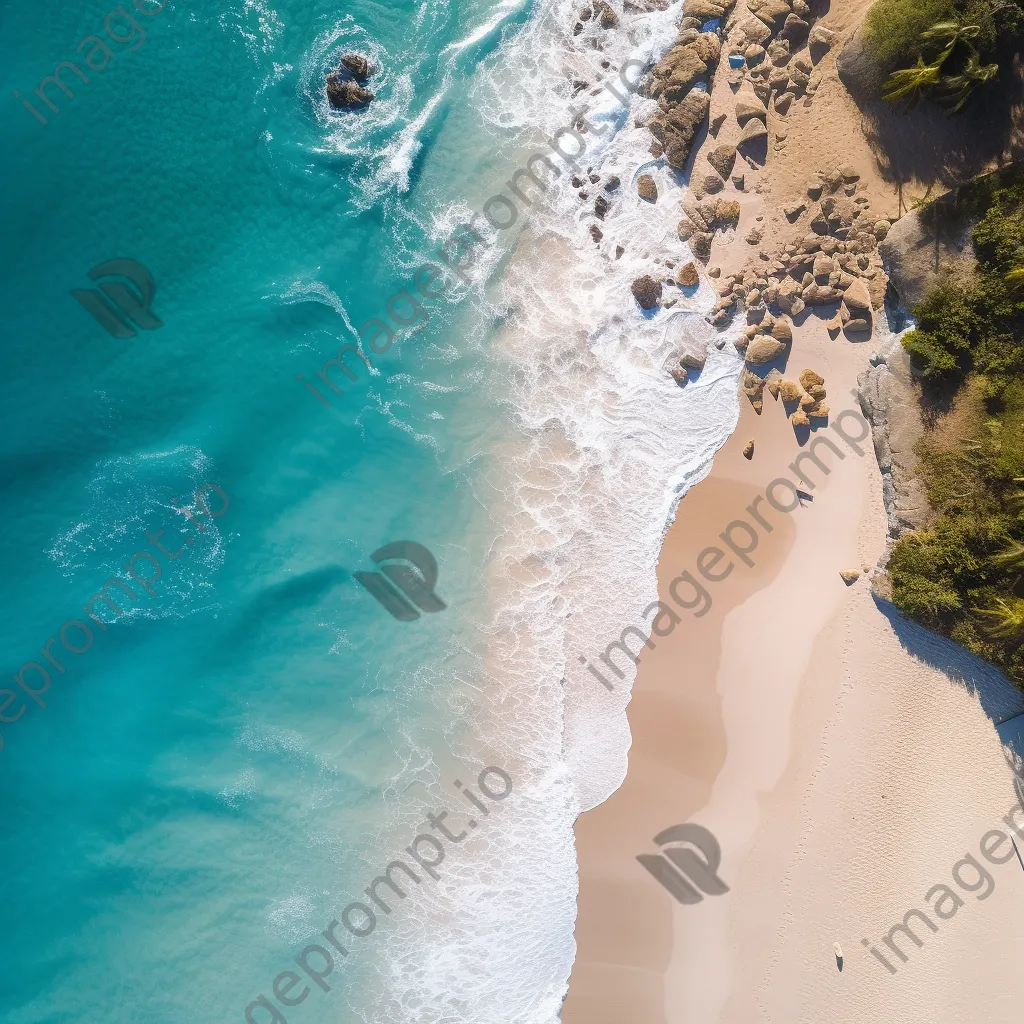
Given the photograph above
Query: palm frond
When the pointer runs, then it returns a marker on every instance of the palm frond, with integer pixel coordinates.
(912, 83)
(1005, 620)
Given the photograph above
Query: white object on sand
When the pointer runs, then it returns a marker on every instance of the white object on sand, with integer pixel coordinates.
(838, 949)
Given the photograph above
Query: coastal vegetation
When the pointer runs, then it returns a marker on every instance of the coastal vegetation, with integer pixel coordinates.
(964, 575)
(942, 50)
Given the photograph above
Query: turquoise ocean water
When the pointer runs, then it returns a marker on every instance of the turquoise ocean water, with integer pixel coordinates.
(230, 763)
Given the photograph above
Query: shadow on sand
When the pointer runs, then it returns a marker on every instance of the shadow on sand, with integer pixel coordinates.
(1000, 699)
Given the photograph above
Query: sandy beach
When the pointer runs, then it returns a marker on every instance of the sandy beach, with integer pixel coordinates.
(840, 755)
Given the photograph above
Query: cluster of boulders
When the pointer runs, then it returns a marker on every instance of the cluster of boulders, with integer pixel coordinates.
(679, 82)
(648, 290)
(781, 48)
(805, 396)
(346, 87)
(703, 218)
(837, 262)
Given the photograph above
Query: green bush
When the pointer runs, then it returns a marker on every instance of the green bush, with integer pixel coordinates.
(893, 29)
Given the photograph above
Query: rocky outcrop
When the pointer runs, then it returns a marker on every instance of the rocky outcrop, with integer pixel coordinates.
(889, 398)
(346, 86)
(358, 66)
(344, 94)
(683, 66)
(924, 247)
(673, 80)
(676, 128)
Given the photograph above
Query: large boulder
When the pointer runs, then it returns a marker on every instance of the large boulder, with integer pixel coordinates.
(748, 106)
(820, 42)
(753, 131)
(677, 73)
(706, 10)
(722, 158)
(858, 70)
(646, 188)
(857, 298)
(925, 247)
(763, 349)
(688, 275)
(606, 16)
(772, 12)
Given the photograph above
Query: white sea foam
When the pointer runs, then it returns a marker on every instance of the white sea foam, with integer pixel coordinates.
(602, 446)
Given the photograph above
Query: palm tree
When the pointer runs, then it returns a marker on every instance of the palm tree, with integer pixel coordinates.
(954, 89)
(950, 33)
(912, 83)
(1005, 620)
(1011, 558)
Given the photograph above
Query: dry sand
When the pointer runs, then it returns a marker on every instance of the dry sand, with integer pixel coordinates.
(844, 770)
(842, 776)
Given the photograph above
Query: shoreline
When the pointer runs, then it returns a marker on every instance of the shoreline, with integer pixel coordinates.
(839, 757)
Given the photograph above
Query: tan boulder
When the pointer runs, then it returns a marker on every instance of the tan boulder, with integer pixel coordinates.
(727, 212)
(808, 378)
(688, 275)
(753, 385)
(646, 188)
(790, 391)
(763, 349)
(850, 576)
(857, 298)
(722, 158)
(799, 419)
(748, 450)
(748, 106)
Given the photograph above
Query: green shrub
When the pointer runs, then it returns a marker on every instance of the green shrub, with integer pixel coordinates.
(893, 29)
